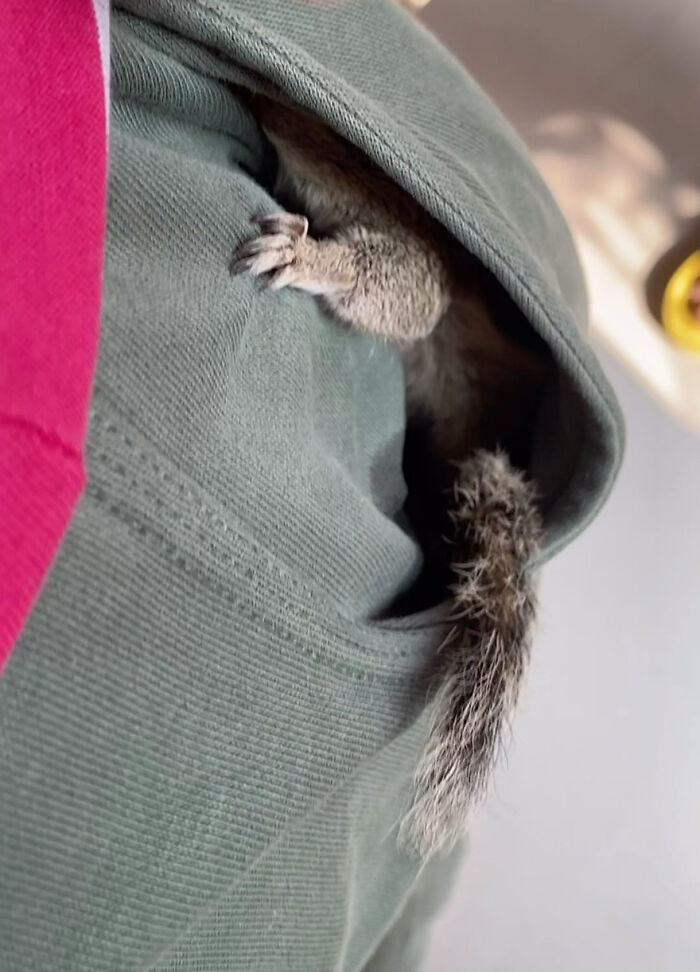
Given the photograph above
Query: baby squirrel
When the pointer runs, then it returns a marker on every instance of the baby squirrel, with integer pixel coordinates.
(383, 266)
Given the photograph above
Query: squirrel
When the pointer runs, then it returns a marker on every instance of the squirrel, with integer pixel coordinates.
(382, 265)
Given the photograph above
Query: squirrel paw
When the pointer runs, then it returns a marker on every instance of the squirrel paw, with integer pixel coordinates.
(275, 247)
(286, 252)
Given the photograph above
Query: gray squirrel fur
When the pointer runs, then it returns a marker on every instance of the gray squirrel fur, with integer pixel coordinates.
(382, 265)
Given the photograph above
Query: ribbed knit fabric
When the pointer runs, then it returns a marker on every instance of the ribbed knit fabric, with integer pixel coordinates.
(53, 161)
(207, 738)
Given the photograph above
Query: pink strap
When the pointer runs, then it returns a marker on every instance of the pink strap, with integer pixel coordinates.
(53, 156)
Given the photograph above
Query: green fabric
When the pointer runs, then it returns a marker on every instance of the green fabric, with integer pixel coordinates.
(206, 737)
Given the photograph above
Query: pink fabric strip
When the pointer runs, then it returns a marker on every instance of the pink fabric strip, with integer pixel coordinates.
(53, 162)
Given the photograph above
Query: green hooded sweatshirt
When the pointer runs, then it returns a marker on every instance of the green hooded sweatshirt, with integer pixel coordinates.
(209, 729)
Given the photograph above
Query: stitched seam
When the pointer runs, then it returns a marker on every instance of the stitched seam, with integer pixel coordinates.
(186, 492)
(267, 563)
(187, 565)
(172, 552)
(151, 455)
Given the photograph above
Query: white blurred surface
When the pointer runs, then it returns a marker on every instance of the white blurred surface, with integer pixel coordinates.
(607, 94)
(587, 856)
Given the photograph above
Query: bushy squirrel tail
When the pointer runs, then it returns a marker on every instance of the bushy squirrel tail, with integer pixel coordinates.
(482, 661)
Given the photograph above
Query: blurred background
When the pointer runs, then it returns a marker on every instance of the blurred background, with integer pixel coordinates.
(587, 855)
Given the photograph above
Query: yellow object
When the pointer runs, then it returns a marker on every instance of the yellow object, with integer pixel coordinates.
(676, 315)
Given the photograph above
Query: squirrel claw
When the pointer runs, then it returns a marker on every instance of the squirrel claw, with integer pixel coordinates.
(291, 224)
